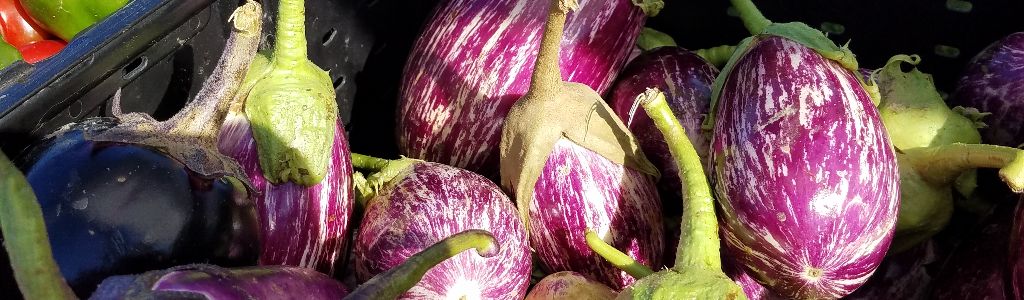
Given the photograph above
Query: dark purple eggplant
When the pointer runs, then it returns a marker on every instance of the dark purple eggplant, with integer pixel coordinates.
(804, 172)
(567, 285)
(572, 166)
(130, 194)
(415, 204)
(302, 224)
(1016, 253)
(473, 61)
(994, 83)
(977, 267)
(686, 80)
(211, 282)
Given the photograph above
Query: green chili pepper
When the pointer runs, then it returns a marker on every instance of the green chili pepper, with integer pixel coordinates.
(8, 54)
(66, 18)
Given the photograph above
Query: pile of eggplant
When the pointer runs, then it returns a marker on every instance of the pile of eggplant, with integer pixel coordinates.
(550, 149)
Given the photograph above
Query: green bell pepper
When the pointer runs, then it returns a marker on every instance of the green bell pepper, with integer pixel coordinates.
(8, 54)
(66, 18)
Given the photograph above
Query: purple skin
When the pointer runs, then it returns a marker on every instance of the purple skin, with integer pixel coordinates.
(753, 289)
(977, 267)
(685, 78)
(474, 60)
(570, 285)
(1016, 257)
(216, 283)
(994, 83)
(299, 226)
(805, 175)
(579, 190)
(434, 201)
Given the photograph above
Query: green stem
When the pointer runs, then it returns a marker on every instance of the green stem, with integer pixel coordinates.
(24, 231)
(398, 280)
(941, 165)
(698, 240)
(290, 45)
(547, 76)
(363, 190)
(369, 163)
(717, 56)
(753, 20)
(650, 39)
(617, 258)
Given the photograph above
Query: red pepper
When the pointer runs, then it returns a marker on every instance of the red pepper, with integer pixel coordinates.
(19, 30)
(37, 51)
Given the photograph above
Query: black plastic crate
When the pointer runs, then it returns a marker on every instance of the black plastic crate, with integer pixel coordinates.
(160, 52)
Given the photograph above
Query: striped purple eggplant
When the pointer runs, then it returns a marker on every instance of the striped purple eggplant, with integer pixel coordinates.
(428, 202)
(579, 190)
(1016, 255)
(805, 175)
(994, 82)
(686, 80)
(215, 283)
(299, 226)
(569, 285)
(473, 60)
(753, 289)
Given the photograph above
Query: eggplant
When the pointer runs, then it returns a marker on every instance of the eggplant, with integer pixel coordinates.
(569, 285)
(129, 194)
(804, 172)
(977, 267)
(993, 82)
(686, 80)
(302, 224)
(1016, 279)
(287, 282)
(413, 204)
(201, 281)
(573, 166)
(753, 289)
(474, 58)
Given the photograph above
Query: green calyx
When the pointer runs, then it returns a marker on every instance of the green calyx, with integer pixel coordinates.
(650, 7)
(26, 241)
(66, 18)
(717, 56)
(291, 106)
(914, 113)
(760, 26)
(382, 172)
(686, 284)
(398, 280)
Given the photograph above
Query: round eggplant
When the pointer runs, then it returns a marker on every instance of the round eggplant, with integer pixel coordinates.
(994, 83)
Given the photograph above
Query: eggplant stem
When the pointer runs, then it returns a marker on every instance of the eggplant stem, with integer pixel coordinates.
(547, 75)
(717, 56)
(753, 20)
(369, 163)
(698, 240)
(941, 165)
(398, 280)
(290, 45)
(25, 238)
(615, 257)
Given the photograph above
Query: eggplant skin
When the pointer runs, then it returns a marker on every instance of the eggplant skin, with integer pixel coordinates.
(474, 59)
(430, 202)
(579, 190)
(686, 80)
(994, 82)
(300, 226)
(113, 208)
(569, 285)
(804, 172)
(1016, 257)
(210, 282)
